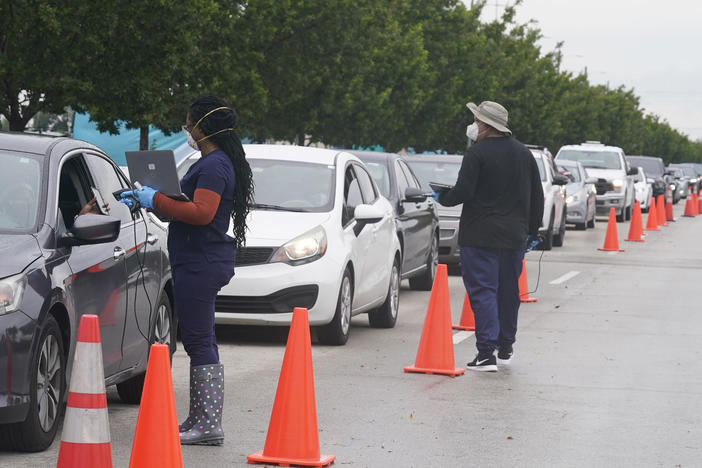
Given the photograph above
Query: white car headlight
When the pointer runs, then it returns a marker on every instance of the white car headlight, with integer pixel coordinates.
(11, 292)
(305, 248)
(617, 184)
(575, 198)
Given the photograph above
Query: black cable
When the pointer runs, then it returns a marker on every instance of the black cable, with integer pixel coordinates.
(538, 276)
(141, 273)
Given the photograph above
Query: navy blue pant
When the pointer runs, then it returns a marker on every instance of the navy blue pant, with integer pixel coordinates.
(491, 277)
(195, 290)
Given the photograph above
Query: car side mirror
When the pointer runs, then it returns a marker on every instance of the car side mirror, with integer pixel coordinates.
(366, 214)
(413, 194)
(650, 180)
(591, 180)
(559, 179)
(92, 229)
(632, 171)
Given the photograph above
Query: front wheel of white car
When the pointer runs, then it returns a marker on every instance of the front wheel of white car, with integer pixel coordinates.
(336, 332)
(385, 316)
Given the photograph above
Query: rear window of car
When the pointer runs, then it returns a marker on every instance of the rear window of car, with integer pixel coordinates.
(20, 192)
(439, 171)
(593, 159)
(652, 167)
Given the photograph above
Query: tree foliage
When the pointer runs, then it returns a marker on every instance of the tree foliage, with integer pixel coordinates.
(346, 73)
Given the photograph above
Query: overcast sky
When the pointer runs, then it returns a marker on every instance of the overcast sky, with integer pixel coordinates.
(652, 46)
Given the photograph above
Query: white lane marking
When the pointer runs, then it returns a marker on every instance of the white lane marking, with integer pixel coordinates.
(566, 277)
(462, 335)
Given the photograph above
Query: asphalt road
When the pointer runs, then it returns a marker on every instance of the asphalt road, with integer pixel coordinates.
(606, 373)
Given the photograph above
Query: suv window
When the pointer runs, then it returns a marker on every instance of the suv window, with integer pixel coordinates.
(73, 186)
(367, 188)
(413, 182)
(352, 195)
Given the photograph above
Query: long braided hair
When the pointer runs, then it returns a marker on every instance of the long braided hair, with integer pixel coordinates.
(229, 142)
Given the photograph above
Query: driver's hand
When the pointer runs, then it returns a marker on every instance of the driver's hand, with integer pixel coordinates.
(90, 208)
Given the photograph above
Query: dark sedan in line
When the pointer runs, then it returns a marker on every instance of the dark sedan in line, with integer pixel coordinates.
(65, 253)
(416, 215)
(442, 169)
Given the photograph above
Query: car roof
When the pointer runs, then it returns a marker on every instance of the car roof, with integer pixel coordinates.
(592, 146)
(646, 157)
(443, 158)
(28, 143)
(374, 155)
(293, 153)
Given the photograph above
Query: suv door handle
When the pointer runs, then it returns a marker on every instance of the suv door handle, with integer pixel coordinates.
(151, 239)
(118, 253)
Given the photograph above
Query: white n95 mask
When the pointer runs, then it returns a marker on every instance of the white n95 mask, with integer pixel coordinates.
(472, 132)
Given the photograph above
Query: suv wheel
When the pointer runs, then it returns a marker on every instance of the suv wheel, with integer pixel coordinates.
(560, 237)
(46, 395)
(336, 332)
(385, 316)
(162, 332)
(547, 244)
(425, 281)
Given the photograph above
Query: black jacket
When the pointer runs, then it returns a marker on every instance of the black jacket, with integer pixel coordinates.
(500, 188)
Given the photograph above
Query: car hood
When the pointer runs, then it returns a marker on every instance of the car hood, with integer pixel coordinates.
(274, 228)
(574, 188)
(16, 252)
(607, 174)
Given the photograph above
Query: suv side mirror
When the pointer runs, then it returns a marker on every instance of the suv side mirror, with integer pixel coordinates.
(413, 194)
(632, 171)
(92, 229)
(591, 180)
(559, 179)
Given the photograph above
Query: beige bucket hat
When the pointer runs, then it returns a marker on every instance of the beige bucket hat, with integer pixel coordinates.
(492, 114)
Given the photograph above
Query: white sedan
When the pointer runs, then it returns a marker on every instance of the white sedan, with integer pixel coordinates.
(320, 236)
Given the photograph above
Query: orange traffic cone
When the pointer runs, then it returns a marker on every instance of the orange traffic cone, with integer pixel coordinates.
(636, 225)
(660, 211)
(435, 353)
(669, 212)
(467, 317)
(292, 431)
(695, 204)
(699, 205)
(156, 439)
(524, 286)
(611, 243)
(689, 210)
(85, 441)
(652, 222)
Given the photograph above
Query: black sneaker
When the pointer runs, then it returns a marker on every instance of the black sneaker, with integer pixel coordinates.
(504, 356)
(483, 363)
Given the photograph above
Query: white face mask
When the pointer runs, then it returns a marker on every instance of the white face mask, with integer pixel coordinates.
(472, 132)
(192, 142)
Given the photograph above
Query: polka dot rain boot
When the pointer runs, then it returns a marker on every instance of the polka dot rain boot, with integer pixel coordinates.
(190, 421)
(206, 408)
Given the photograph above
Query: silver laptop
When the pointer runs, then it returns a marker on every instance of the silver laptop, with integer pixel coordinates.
(157, 169)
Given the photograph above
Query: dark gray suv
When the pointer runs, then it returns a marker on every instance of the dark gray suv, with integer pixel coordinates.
(56, 265)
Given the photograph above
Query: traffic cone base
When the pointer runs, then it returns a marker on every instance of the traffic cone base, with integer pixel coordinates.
(435, 352)
(467, 317)
(258, 457)
(611, 243)
(524, 286)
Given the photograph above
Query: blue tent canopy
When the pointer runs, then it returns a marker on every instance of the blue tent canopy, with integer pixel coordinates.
(126, 140)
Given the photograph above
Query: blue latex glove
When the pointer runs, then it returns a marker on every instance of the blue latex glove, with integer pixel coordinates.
(145, 196)
(435, 195)
(532, 241)
(127, 201)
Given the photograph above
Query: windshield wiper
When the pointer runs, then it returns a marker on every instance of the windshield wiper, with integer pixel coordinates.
(264, 206)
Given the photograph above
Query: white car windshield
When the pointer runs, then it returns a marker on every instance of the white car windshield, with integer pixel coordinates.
(20, 187)
(593, 159)
(441, 172)
(287, 185)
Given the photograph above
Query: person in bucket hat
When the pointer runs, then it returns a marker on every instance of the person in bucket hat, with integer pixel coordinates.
(500, 188)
